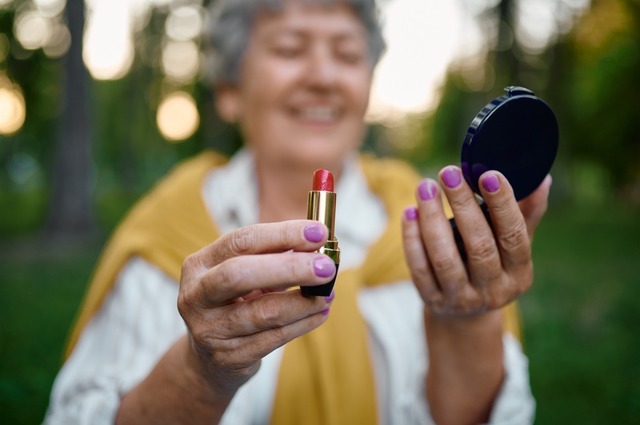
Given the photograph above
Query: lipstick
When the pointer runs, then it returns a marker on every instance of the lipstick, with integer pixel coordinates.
(321, 206)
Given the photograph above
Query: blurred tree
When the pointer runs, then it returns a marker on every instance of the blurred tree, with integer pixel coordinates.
(70, 213)
(130, 153)
(601, 94)
(445, 129)
(25, 155)
(588, 71)
(506, 52)
(586, 75)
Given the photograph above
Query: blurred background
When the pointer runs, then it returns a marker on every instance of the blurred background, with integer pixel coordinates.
(99, 98)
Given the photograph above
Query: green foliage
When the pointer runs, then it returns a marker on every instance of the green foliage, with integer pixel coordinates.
(590, 77)
(23, 190)
(445, 130)
(605, 111)
(21, 211)
(129, 153)
(38, 77)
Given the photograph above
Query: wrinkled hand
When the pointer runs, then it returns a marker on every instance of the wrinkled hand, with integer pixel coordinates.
(499, 266)
(234, 301)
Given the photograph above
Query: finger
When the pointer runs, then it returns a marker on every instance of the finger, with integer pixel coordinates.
(253, 347)
(239, 276)
(259, 292)
(269, 311)
(483, 257)
(416, 257)
(438, 240)
(534, 206)
(297, 235)
(508, 223)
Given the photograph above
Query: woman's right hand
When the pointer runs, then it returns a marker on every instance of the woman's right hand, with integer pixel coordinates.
(234, 301)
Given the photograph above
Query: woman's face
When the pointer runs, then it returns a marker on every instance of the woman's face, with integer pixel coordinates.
(304, 86)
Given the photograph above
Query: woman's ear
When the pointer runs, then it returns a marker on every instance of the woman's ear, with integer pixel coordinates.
(228, 103)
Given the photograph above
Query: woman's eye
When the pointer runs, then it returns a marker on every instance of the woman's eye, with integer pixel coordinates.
(287, 50)
(350, 56)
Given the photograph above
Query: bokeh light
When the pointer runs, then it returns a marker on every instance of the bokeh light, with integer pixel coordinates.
(50, 8)
(184, 23)
(181, 60)
(22, 168)
(108, 47)
(177, 117)
(32, 30)
(537, 25)
(422, 37)
(59, 42)
(42, 28)
(12, 107)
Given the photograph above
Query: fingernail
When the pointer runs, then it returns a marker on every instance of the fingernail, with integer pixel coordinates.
(451, 177)
(314, 232)
(330, 297)
(426, 190)
(411, 213)
(325, 312)
(491, 183)
(323, 266)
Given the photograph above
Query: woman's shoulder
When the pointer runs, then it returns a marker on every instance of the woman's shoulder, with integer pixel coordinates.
(388, 169)
(192, 168)
(180, 186)
(391, 179)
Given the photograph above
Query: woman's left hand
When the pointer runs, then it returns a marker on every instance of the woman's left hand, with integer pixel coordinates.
(498, 267)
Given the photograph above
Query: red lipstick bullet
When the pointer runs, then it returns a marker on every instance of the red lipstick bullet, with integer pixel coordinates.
(323, 180)
(321, 206)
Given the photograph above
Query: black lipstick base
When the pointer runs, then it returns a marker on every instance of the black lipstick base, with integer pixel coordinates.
(321, 290)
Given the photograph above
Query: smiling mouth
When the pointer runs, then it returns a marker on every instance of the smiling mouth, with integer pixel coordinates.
(321, 115)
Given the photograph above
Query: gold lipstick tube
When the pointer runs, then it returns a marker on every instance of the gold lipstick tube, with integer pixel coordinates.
(321, 206)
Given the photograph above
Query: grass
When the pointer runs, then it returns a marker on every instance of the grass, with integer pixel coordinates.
(581, 319)
(39, 295)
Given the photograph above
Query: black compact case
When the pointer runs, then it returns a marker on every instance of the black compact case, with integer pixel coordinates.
(516, 134)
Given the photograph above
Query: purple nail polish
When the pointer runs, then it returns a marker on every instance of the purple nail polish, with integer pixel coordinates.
(427, 190)
(451, 177)
(325, 312)
(411, 213)
(323, 266)
(314, 232)
(491, 183)
(330, 297)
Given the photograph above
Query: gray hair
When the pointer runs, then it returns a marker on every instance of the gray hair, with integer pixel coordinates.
(232, 20)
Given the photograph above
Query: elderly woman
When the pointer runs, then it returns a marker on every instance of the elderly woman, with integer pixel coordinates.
(414, 335)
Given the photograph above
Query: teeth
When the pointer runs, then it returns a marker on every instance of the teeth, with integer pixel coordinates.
(318, 114)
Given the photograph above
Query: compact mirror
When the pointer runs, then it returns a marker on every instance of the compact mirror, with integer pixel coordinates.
(516, 134)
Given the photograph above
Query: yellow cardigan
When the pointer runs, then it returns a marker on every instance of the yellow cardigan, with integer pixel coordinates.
(325, 376)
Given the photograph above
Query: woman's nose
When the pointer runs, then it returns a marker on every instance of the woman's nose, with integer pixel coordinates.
(322, 70)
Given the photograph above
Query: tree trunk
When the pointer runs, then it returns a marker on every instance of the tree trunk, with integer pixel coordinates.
(506, 60)
(71, 212)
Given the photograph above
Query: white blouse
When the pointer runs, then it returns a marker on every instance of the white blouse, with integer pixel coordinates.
(139, 321)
